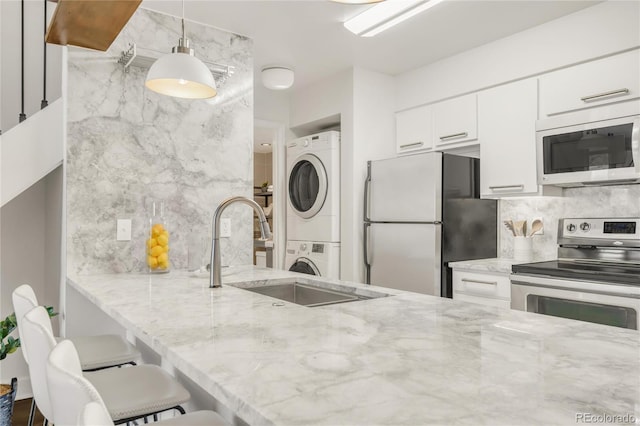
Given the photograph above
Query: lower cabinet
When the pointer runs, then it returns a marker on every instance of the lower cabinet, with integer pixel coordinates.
(485, 288)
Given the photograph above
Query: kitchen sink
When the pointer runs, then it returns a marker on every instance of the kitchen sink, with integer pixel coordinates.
(306, 295)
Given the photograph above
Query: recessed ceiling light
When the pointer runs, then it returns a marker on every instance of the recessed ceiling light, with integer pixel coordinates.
(265, 144)
(386, 15)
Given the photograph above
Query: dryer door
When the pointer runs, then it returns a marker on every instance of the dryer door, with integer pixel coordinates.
(304, 266)
(307, 186)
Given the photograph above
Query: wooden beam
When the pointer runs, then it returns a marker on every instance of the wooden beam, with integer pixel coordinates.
(89, 23)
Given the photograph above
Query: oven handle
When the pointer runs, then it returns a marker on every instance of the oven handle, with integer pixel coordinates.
(577, 286)
(635, 144)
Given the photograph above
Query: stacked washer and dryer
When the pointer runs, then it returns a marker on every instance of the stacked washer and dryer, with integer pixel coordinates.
(313, 205)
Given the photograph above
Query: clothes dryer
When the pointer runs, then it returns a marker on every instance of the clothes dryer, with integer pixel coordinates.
(313, 258)
(313, 188)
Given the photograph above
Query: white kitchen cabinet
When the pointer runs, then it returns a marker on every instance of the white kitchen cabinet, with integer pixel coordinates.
(506, 119)
(591, 84)
(455, 120)
(486, 288)
(414, 129)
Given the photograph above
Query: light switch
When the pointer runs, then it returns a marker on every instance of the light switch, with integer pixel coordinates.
(123, 230)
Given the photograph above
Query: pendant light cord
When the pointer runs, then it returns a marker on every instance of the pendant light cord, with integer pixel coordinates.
(44, 103)
(22, 115)
(184, 37)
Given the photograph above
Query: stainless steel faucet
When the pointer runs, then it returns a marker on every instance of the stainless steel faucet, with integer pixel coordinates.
(215, 274)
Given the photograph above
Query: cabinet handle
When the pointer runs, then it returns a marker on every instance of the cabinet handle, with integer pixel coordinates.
(605, 94)
(466, 280)
(507, 187)
(410, 145)
(454, 136)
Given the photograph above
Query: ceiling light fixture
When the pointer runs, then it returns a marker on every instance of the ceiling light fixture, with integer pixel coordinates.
(385, 15)
(277, 78)
(265, 144)
(180, 74)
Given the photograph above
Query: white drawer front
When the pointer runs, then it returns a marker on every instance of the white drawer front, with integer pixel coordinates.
(482, 300)
(479, 284)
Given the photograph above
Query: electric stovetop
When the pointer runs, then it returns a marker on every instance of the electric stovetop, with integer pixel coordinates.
(608, 273)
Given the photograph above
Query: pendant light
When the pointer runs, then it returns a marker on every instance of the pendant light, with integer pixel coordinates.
(180, 74)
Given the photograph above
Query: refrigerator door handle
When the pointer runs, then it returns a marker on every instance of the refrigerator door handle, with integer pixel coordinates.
(365, 251)
(367, 185)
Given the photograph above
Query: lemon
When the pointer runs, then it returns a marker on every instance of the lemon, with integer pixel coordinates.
(163, 259)
(163, 240)
(156, 251)
(152, 262)
(156, 230)
(152, 242)
(165, 233)
(166, 248)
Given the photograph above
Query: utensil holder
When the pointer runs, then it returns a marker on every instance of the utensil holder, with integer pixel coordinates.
(523, 249)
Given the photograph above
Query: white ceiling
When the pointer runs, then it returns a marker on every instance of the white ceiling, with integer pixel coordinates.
(308, 35)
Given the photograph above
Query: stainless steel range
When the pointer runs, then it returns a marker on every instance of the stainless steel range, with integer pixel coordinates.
(596, 277)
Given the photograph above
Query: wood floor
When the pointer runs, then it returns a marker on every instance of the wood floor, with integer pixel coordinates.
(21, 413)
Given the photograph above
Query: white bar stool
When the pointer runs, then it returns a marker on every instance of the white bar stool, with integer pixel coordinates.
(130, 393)
(96, 352)
(79, 401)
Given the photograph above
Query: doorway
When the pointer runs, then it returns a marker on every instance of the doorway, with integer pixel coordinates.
(269, 191)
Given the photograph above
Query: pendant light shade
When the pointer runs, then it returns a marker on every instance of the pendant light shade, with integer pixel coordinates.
(181, 75)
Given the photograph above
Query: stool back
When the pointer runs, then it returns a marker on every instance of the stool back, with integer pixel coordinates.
(94, 414)
(24, 300)
(69, 390)
(37, 335)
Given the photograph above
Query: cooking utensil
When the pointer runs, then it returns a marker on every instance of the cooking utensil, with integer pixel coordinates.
(509, 225)
(536, 226)
(519, 227)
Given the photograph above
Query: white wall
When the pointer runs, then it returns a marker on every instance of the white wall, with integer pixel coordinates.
(600, 30)
(31, 230)
(374, 136)
(33, 62)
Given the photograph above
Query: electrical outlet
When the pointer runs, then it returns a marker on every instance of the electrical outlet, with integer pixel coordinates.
(225, 228)
(123, 230)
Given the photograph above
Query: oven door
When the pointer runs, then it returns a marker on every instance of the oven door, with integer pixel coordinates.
(590, 154)
(601, 303)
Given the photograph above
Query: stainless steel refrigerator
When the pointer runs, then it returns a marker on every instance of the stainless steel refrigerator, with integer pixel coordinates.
(420, 213)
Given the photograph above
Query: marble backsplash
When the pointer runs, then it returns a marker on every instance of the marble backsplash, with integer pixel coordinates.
(128, 146)
(603, 201)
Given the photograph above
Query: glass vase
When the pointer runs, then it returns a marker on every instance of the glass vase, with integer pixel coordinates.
(158, 241)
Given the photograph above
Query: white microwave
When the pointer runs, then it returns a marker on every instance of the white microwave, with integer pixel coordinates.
(605, 152)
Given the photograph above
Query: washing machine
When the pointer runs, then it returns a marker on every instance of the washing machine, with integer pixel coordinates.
(313, 188)
(313, 258)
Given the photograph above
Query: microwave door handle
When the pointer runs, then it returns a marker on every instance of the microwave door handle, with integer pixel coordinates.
(635, 144)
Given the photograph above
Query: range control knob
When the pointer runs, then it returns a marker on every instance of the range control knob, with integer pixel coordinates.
(571, 227)
(585, 226)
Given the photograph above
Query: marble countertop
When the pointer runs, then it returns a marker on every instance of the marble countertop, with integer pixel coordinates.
(405, 359)
(500, 265)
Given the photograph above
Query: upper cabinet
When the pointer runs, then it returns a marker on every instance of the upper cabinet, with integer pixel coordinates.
(507, 121)
(455, 120)
(608, 80)
(414, 129)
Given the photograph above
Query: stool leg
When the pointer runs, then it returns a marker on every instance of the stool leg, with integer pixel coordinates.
(32, 412)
